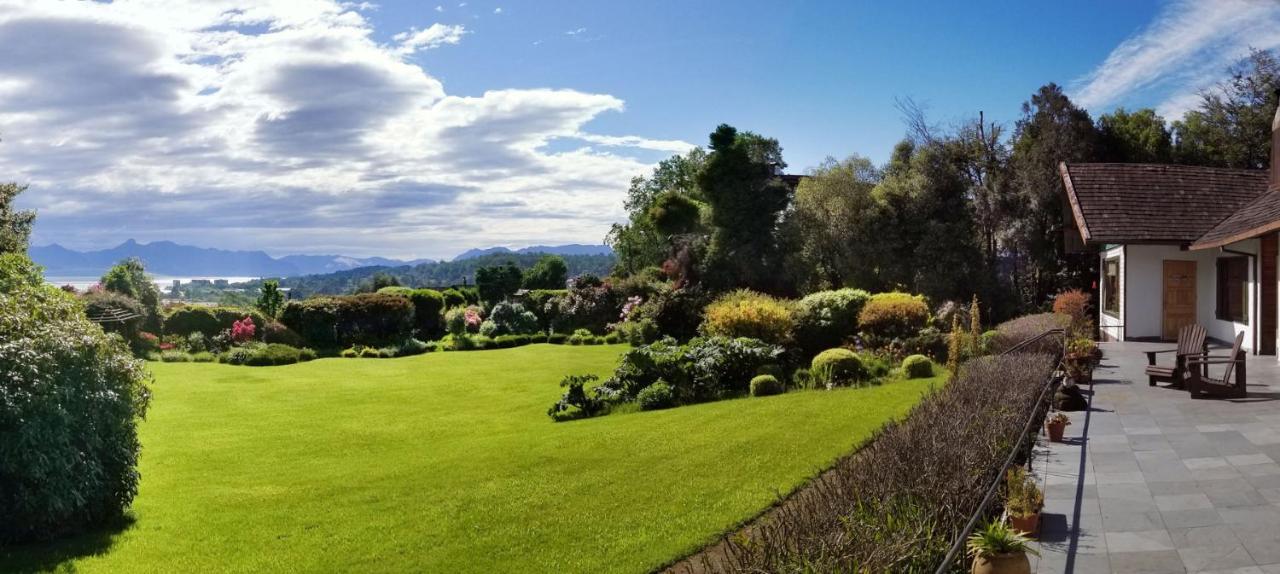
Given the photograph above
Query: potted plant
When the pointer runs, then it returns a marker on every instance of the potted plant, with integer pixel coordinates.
(1023, 501)
(1056, 424)
(999, 549)
(1080, 359)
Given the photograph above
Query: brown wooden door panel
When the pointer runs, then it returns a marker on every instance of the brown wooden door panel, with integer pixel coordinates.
(1179, 297)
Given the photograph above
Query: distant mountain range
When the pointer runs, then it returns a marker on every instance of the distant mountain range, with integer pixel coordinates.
(167, 258)
(571, 249)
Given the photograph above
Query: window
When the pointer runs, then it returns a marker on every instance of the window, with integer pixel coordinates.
(1233, 289)
(1111, 286)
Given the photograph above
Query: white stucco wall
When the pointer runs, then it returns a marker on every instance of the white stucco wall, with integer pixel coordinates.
(1143, 290)
(1111, 326)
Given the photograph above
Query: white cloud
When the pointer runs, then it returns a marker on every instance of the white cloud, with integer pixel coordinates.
(439, 8)
(285, 126)
(1184, 50)
(497, 10)
(433, 36)
(576, 31)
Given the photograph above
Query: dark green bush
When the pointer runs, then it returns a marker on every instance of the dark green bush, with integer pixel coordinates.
(237, 356)
(412, 347)
(272, 354)
(577, 401)
(70, 399)
(428, 313)
(538, 338)
(306, 354)
(557, 338)
(659, 395)
(364, 319)
(612, 339)
(453, 298)
(191, 319)
(917, 367)
(349, 353)
(705, 369)
(276, 332)
(765, 385)
(837, 367)
(504, 342)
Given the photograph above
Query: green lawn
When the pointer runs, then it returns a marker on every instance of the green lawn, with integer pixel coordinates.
(447, 462)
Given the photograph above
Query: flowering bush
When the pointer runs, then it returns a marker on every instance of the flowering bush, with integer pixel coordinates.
(590, 304)
(149, 342)
(630, 306)
(242, 330)
(745, 313)
(463, 320)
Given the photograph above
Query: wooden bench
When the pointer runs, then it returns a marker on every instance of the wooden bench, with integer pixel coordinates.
(1191, 342)
(1226, 386)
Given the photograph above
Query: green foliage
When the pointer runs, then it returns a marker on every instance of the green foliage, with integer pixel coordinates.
(428, 312)
(838, 367)
(746, 198)
(917, 367)
(364, 319)
(270, 298)
(98, 304)
(636, 331)
(70, 399)
(129, 278)
(657, 396)
(191, 319)
(638, 243)
(745, 313)
(766, 385)
(276, 332)
(498, 282)
(675, 213)
(827, 318)
(590, 304)
(1135, 137)
(175, 357)
(995, 538)
(510, 318)
(1022, 498)
(550, 272)
(894, 315)
(1232, 125)
(206, 357)
(576, 401)
(611, 339)
(15, 225)
(453, 298)
(829, 224)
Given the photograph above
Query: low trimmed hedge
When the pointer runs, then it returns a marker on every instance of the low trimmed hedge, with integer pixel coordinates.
(878, 511)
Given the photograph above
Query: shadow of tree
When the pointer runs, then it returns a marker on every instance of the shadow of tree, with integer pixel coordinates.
(57, 555)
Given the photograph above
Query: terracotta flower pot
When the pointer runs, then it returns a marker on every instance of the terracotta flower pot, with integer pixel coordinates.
(1029, 525)
(1013, 563)
(1055, 430)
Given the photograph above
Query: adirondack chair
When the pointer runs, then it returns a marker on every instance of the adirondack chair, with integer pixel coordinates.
(1191, 342)
(1202, 384)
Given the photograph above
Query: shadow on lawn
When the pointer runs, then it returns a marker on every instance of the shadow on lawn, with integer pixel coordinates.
(55, 556)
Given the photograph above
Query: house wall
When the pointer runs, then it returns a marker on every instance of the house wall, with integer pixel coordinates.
(1143, 289)
(1112, 326)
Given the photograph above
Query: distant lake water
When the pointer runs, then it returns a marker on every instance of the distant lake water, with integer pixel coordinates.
(82, 283)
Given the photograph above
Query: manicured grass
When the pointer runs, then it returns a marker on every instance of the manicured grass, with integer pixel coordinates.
(447, 462)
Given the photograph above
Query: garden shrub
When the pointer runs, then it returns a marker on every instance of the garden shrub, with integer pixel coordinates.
(745, 313)
(237, 356)
(880, 511)
(636, 331)
(272, 354)
(370, 353)
(1075, 304)
(389, 352)
(364, 319)
(411, 347)
(544, 304)
(590, 304)
(396, 290)
(656, 396)
(70, 399)
(428, 312)
(228, 316)
(826, 318)
(894, 315)
(510, 319)
(577, 401)
(765, 385)
(917, 367)
(306, 354)
(197, 342)
(557, 338)
(99, 303)
(675, 313)
(349, 353)
(276, 332)
(204, 357)
(1014, 331)
(186, 320)
(612, 339)
(538, 338)
(175, 357)
(463, 320)
(453, 298)
(836, 367)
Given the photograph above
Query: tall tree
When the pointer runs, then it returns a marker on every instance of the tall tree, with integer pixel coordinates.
(270, 298)
(496, 283)
(1232, 125)
(1134, 137)
(129, 278)
(15, 225)
(1052, 130)
(639, 243)
(550, 272)
(746, 197)
(825, 228)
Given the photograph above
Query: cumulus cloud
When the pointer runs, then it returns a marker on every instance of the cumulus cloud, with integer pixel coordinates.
(286, 126)
(1183, 51)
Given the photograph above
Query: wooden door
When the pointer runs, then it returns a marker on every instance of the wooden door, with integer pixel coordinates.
(1179, 297)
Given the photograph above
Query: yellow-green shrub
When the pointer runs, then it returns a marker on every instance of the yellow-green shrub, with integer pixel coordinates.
(745, 313)
(894, 315)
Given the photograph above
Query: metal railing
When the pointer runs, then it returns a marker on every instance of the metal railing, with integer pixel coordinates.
(958, 544)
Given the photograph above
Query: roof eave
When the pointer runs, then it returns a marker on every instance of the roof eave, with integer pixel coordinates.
(1076, 213)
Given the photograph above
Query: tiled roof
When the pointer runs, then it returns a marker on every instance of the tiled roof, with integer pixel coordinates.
(1259, 216)
(1145, 203)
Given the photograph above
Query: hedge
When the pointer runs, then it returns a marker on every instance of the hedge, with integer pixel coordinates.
(208, 320)
(879, 511)
(894, 315)
(366, 319)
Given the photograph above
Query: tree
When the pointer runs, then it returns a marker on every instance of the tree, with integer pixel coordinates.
(550, 272)
(826, 230)
(1232, 125)
(270, 298)
(1134, 137)
(129, 278)
(1052, 130)
(496, 283)
(639, 243)
(746, 198)
(15, 226)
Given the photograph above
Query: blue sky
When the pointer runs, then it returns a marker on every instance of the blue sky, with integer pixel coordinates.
(414, 129)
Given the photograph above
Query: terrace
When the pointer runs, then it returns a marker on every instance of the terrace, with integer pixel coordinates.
(1150, 480)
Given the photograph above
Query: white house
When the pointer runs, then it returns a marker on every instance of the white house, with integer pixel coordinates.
(1182, 244)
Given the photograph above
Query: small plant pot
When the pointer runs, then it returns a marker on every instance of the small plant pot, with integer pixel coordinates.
(1055, 431)
(1029, 525)
(1012, 563)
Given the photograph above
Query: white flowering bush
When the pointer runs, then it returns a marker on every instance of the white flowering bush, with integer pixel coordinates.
(70, 399)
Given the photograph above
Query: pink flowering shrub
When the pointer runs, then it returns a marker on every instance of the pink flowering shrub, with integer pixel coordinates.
(242, 330)
(632, 303)
(472, 319)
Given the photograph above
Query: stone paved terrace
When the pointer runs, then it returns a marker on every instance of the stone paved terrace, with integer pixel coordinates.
(1150, 480)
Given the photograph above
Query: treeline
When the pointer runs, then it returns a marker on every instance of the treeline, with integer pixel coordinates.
(958, 210)
(434, 275)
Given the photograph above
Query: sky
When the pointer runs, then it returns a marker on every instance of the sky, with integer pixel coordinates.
(421, 129)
